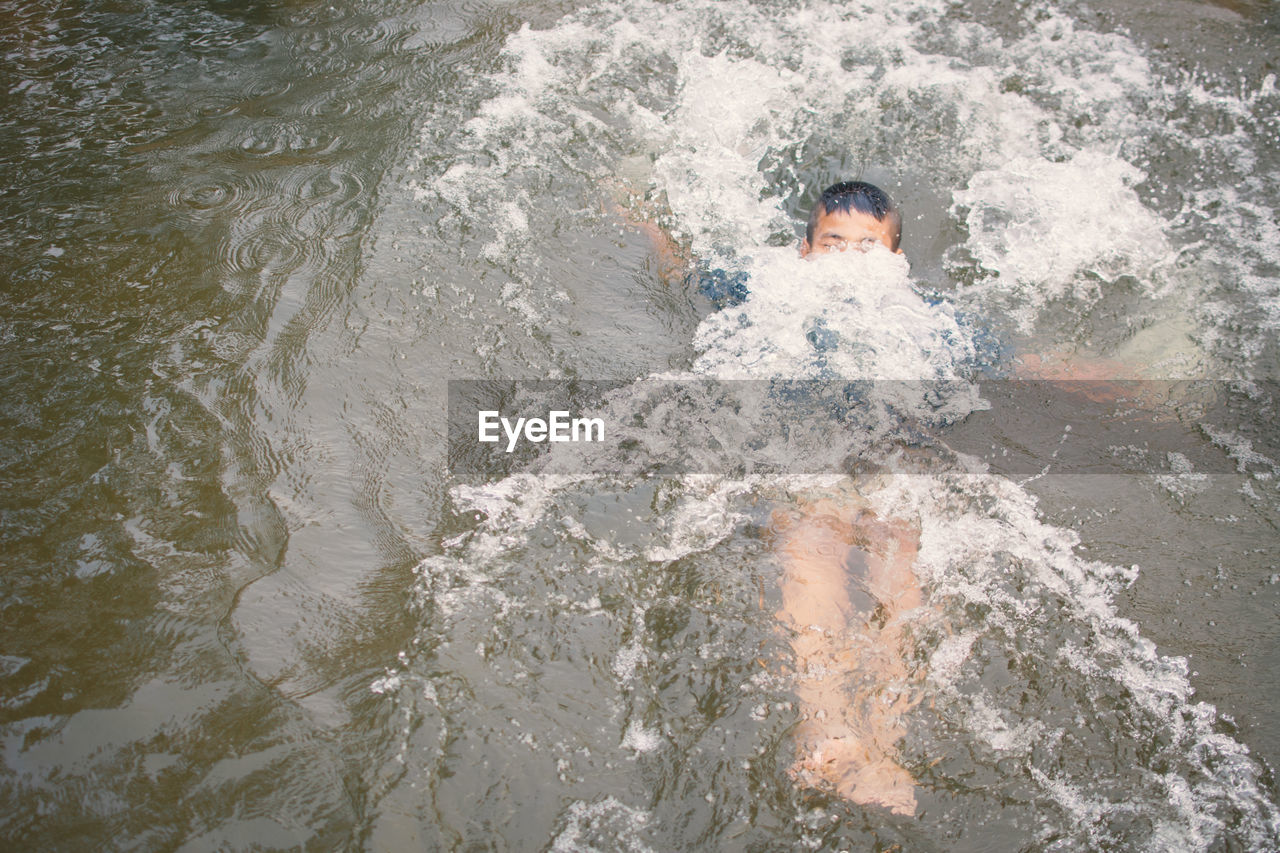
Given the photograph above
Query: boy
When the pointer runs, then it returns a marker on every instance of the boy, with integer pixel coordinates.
(847, 581)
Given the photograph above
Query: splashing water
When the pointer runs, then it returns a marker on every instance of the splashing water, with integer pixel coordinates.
(611, 636)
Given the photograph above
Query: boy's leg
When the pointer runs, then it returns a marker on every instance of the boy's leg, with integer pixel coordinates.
(847, 646)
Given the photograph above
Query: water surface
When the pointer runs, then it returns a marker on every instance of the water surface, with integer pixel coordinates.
(246, 246)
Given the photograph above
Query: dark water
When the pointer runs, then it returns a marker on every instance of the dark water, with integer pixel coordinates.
(230, 308)
(188, 187)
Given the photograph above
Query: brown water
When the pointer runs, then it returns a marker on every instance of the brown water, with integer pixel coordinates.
(229, 313)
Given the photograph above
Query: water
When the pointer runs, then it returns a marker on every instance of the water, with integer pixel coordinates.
(246, 246)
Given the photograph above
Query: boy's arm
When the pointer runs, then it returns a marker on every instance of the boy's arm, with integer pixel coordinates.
(1116, 380)
(673, 263)
(672, 260)
(1165, 348)
(1059, 365)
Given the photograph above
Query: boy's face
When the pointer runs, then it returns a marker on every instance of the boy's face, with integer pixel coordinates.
(838, 231)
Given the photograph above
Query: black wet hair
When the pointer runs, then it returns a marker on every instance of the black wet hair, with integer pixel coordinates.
(848, 196)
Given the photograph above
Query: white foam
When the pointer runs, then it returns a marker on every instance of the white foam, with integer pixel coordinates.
(999, 733)
(982, 557)
(629, 658)
(702, 518)
(1241, 450)
(1043, 225)
(870, 323)
(11, 664)
(640, 739)
(730, 113)
(1049, 210)
(949, 656)
(389, 683)
(601, 826)
(1184, 480)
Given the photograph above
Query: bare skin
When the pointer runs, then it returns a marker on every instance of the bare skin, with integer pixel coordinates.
(846, 587)
(840, 231)
(671, 260)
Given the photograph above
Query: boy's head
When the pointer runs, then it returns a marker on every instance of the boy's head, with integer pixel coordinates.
(852, 215)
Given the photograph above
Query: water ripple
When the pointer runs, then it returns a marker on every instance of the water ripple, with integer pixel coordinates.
(289, 138)
(335, 187)
(210, 196)
(274, 247)
(331, 105)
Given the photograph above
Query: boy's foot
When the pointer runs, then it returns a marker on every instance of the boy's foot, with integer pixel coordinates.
(845, 764)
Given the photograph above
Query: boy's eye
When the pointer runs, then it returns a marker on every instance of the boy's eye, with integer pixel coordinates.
(866, 244)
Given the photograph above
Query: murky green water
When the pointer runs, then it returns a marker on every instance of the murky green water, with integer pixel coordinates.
(243, 254)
